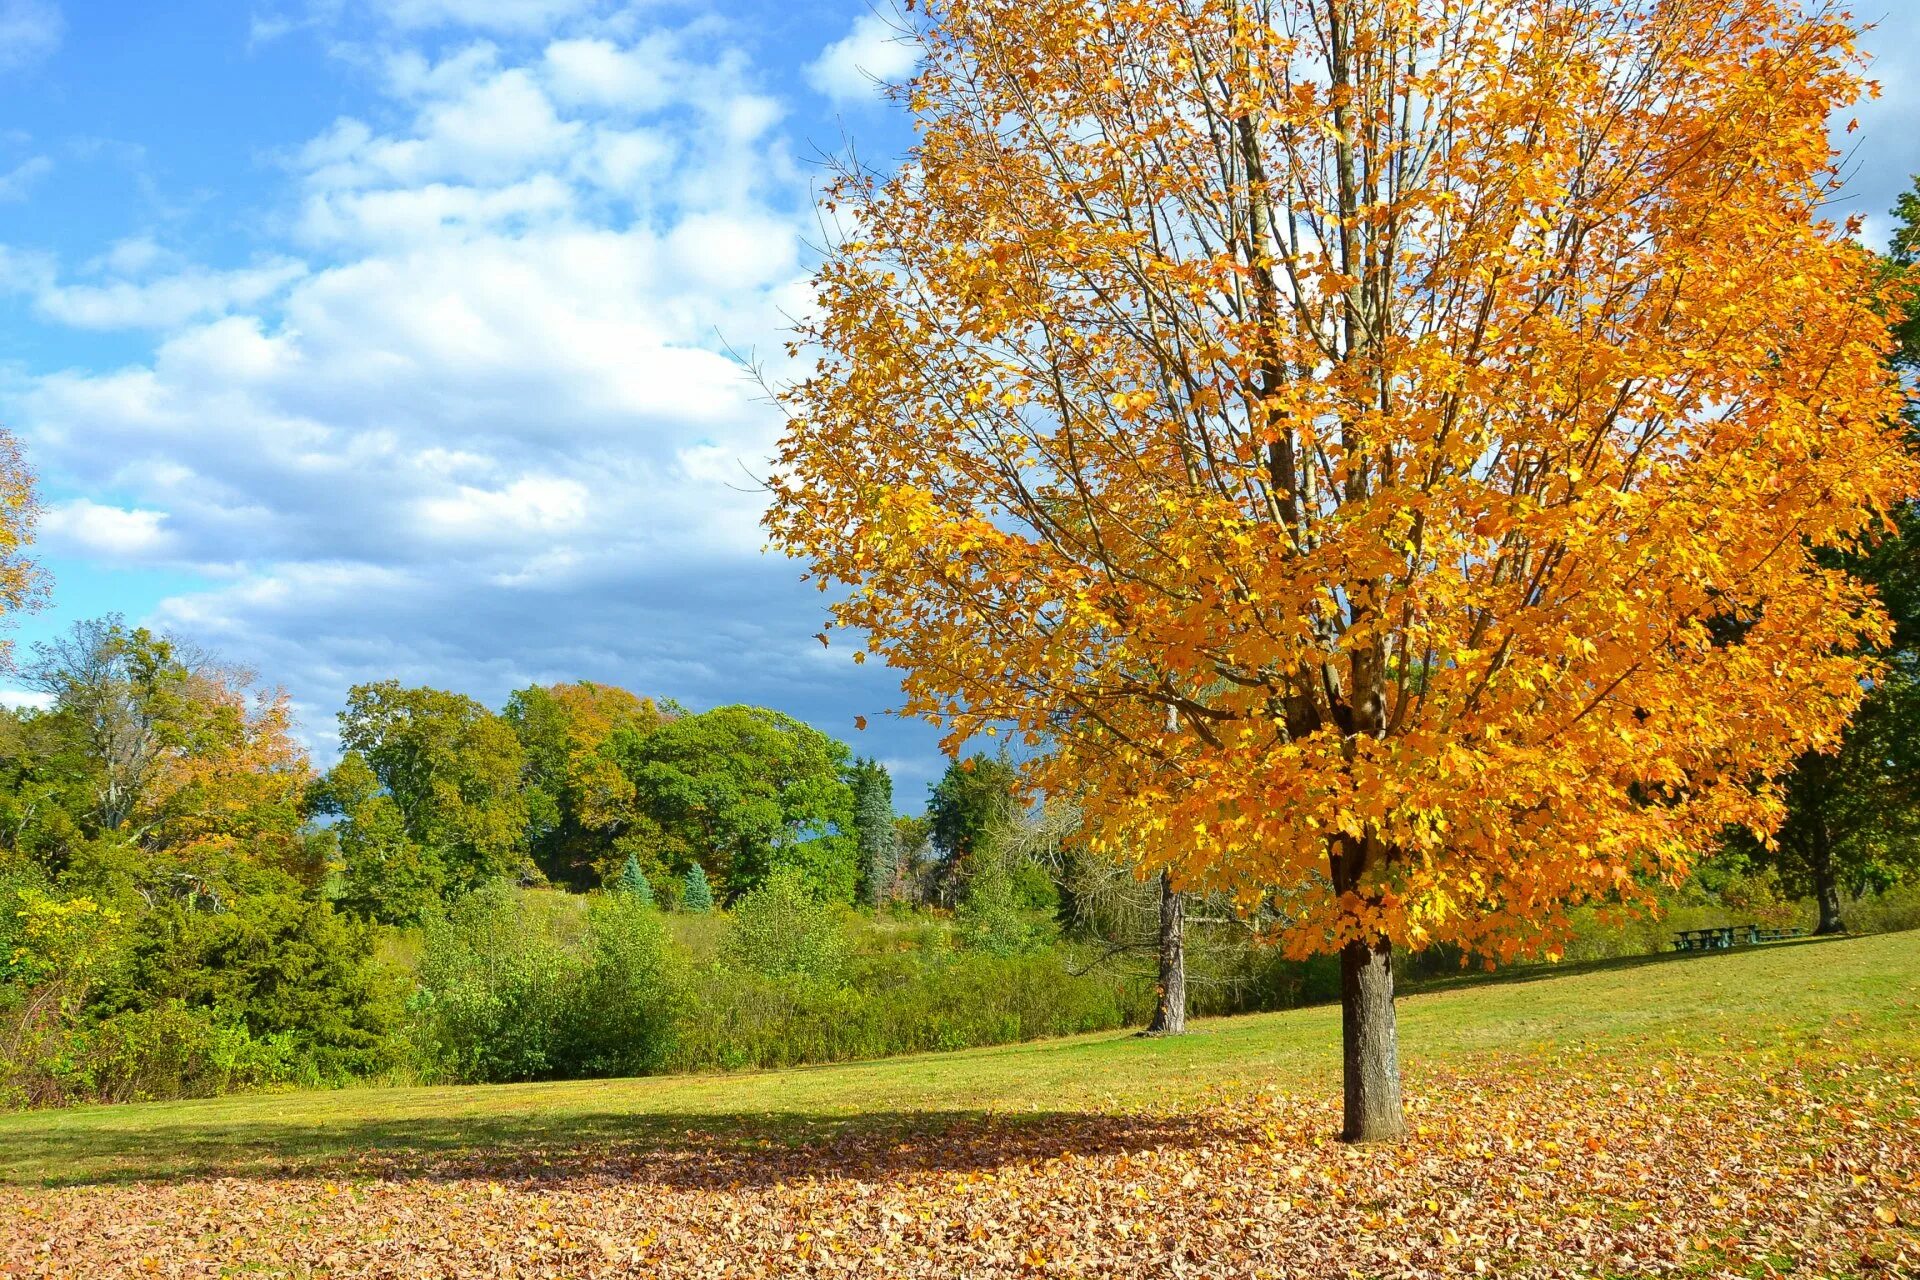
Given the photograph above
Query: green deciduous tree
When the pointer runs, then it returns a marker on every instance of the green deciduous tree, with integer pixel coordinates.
(124, 693)
(453, 770)
(743, 790)
(386, 875)
(1853, 817)
(1903, 255)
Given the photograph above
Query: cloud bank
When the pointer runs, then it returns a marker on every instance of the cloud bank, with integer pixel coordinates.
(479, 420)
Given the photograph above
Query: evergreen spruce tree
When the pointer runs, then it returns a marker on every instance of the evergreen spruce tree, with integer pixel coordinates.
(631, 883)
(698, 895)
(873, 826)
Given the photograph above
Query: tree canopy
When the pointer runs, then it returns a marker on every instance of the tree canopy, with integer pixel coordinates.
(578, 799)
(154, 767)
(1850, 812)
(451, 769)
(743, 790)
(1346, 440)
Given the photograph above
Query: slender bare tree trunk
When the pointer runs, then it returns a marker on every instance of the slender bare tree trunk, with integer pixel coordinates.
(1370, 1044)
(1170, 1015)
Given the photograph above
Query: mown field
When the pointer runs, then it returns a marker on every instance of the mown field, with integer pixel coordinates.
(1748, 1114)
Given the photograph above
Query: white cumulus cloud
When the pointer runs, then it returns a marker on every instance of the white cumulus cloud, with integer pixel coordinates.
(532, 506)
(164, 301)
(484, 426)
(111, 533)
(878, 50)
(473, 417)
(642, 77)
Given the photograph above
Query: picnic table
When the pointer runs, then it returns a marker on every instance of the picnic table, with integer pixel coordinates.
(1724, 936)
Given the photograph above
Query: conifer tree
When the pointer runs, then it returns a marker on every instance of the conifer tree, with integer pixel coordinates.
(697, 897)
(873, 825)
(632, 883)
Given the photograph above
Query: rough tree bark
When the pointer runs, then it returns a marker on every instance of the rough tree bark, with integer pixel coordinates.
(1826, 886)
(1370, 1044)
(1170, 1014)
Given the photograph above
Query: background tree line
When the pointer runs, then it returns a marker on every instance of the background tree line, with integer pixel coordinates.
(589, 882)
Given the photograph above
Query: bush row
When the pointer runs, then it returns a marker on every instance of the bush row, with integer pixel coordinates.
(510, 992)
(510, 984)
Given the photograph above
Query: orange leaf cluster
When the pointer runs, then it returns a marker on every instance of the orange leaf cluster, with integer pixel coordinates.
(233, 776)
(1377, 454)
(588, 714)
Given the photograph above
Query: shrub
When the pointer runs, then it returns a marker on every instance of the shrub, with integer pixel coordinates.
(992, 917)
(624, 1016)
(510, 989)
(285, 969)
(170, 1050)
(494, 990)
(1896, 909)
(71, 941)
(781, 930)
(902, 1002)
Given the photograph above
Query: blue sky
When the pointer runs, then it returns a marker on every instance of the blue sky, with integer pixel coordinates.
(359, 339)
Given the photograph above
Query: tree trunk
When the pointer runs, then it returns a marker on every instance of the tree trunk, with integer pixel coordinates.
(1826, 887)
(1170, 1015)
(1370, 1044)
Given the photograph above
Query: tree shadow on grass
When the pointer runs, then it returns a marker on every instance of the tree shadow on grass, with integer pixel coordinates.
(677, 1151)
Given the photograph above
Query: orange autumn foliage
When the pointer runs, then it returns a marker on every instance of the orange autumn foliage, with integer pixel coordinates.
(569, 726)
(231, 779)
(1376, 453)
(22, 582)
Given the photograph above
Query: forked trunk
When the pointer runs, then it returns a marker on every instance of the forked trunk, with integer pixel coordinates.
(1170, 1014)
(1370, 1044)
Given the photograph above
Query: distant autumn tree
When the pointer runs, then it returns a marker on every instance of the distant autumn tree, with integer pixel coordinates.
(1437, 404)
(180, 769)
(578, 800)
(21, 581)
(233, 785)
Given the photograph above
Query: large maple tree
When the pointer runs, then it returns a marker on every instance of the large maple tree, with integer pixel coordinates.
(1375, 450)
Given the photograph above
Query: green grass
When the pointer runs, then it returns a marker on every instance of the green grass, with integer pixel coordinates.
(1777, 1000)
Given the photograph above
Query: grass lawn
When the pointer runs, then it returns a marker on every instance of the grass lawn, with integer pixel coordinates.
(1768, 1098)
